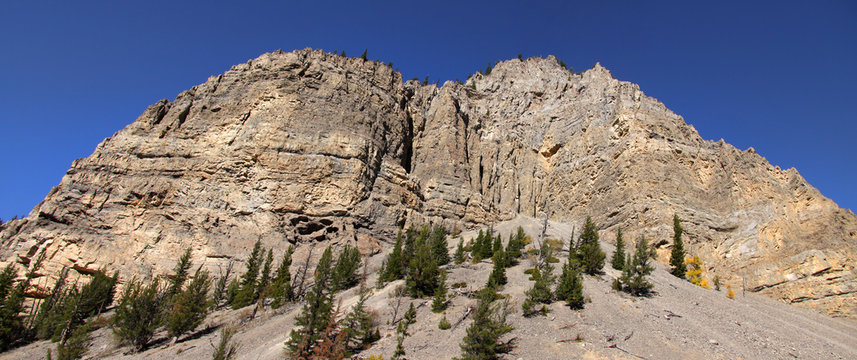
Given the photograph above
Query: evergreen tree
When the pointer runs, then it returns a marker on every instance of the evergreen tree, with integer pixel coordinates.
(7, 280)
(179, 276)
(514, 246)
(486, 250)
(358, 325)
(497, 246)
(190, 306)
(489, 325)
(364, 54)
(136, 317)
(265, 275)
(476, 249)
(232, 291)
(618, 260)
(589, 251)
(410, 315)
(11, 323)
(393, 268)
(439, 246)
(282, 285)
(317, 310)
(570, 287)
(98, 293)
(50, 316)
(401, 334)
(423, 271)
(540, 292)
(459, 252)
(226, 349)
(439, 302)
(76, 345)
(345, 273)
(220, 288)
(12, 328)
(498, 274)
(77, 305)
(409, 248)
(677, 266)
(633, 278)
(246, 294)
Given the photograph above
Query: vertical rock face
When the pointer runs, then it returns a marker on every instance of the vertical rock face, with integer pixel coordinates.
(307, 146)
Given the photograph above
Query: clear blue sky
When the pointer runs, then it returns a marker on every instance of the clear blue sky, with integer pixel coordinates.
(779, 76)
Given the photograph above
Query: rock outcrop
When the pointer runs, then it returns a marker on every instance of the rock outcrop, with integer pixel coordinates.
(307, 146)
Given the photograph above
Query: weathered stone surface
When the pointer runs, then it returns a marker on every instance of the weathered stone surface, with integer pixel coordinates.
(308, 146)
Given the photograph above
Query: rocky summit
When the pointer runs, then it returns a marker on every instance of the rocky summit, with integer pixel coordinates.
(307, 146)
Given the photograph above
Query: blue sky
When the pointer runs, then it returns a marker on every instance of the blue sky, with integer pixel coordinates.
(778, 76)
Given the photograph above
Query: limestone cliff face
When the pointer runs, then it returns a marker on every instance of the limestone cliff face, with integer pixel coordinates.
(307, 146)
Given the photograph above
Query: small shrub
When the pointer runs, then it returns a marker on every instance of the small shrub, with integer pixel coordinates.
(459, 285)
(444, 324)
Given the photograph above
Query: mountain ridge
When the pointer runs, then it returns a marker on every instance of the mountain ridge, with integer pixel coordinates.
(308, 146)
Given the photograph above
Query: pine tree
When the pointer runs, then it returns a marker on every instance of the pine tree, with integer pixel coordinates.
(226, 349)
(498, 274)
(265, 275)
(497, 246)
(401, 334)
(76, 345)
(459, 252)
(618, 260)
(364, 54)
(246, 294)
(540, 292)
(486, 250)
(135, 319)
(489, 325)
(232, 291)
(633, 278)
(190, 306)
(677, 255)
(220, 288)
(358, 325)
(410, 315)
(282, 286)
(12, 328)
(317, 310)
(439, 302)
(11, 323)
(589, 251)
(570, 287)
(345, 272)
(7, 280)
(50, 314)
(439, 246)
(179, 276)
(78, 304)
(393, 268)
(476, 249)
(423, 271)
(514, 246)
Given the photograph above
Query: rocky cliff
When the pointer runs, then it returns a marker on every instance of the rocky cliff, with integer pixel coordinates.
(308, 146)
